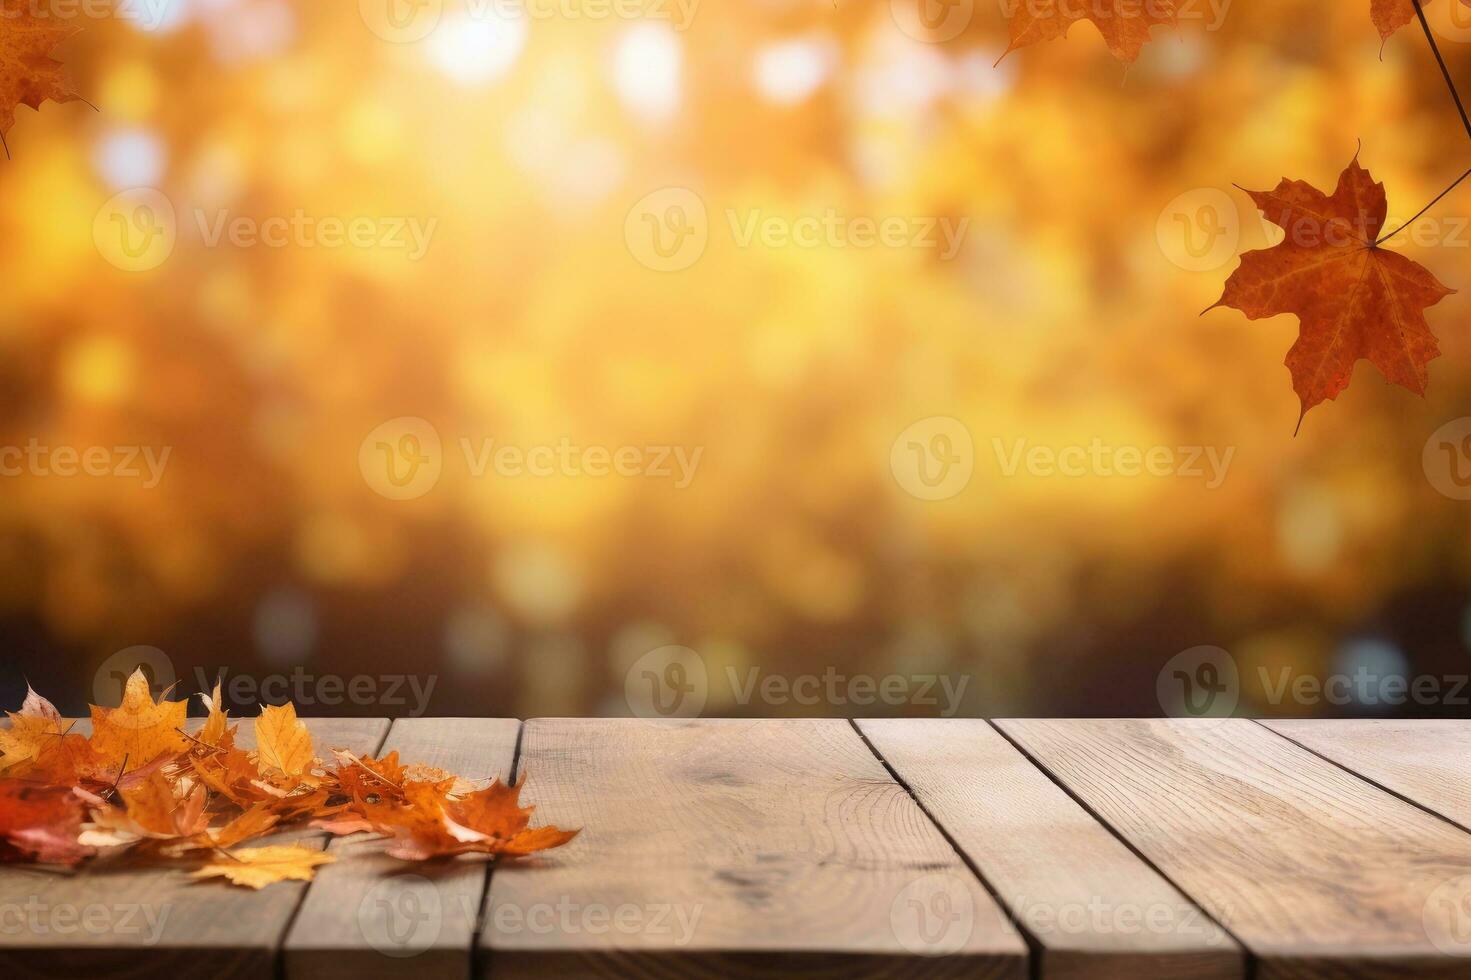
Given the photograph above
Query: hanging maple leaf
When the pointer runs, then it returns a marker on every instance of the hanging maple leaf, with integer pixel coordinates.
(257, 867)
(28, 73)
(138, 731)
(1124, 24)
(1390, 15)
(1355, 299)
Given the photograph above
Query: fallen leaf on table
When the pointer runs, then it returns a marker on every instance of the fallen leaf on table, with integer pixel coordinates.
(139, 730)
(490, 821)
(1354, 299)
(40, 823)
(140, 785)
(257, 867)
(38, 738)
(283, 743)
(216, 727)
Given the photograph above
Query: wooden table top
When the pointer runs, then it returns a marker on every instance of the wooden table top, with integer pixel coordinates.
(1008, 849)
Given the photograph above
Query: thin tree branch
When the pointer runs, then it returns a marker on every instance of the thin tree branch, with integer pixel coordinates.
(1384, 238)
(1435, 48)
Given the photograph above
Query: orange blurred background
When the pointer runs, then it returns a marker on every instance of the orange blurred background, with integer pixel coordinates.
(299, 244)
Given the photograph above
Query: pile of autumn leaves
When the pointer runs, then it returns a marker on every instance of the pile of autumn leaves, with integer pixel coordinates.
(141, 788)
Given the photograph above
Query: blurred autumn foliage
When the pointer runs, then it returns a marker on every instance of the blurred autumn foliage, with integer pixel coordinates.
(1067, 316)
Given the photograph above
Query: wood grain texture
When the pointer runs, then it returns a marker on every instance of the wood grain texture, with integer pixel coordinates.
(719, 848)
(157, 922)
(1425, 761)
(1318, 873)
(1094, 910)
(370, 915)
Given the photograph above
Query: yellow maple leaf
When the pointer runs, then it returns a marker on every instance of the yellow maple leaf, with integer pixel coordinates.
(257, 867)
(213, 732)
(138, 730)
(34, 728)
(283, 742)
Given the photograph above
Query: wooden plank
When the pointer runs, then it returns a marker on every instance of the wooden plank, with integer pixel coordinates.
(370, 915)
(1318, 873)
(156, 922)
(1428, 762)
(724, 847)
(1093, 909)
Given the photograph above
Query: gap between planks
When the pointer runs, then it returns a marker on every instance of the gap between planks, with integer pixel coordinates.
(1224, 956)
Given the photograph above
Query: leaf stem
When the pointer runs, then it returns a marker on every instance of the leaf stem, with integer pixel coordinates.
(1435, 49)
(1384, 238)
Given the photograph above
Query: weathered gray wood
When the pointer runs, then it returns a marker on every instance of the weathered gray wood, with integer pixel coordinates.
(1318, 873)
(719, 848)
(370, 915)
(1094, 910)
(1425, 761)
(158, 922)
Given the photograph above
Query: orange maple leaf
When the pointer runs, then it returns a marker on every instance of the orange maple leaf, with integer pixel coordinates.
(1390, 15)
(490, 821)
(40, 823)
(28, 73)
(139, 730)
(1355, 300)
(1124, 24)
